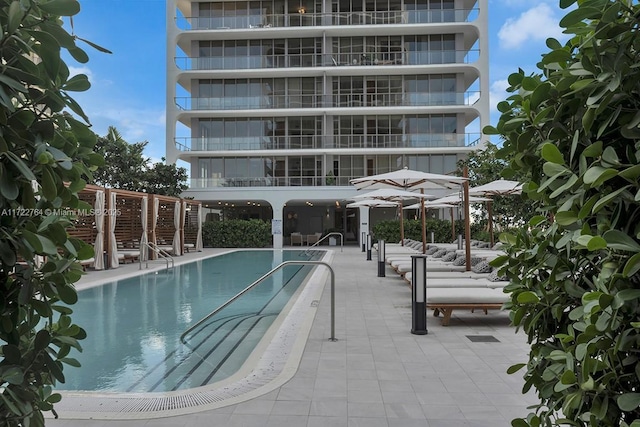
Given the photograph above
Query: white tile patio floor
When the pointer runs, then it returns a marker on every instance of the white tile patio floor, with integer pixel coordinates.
(377, 374)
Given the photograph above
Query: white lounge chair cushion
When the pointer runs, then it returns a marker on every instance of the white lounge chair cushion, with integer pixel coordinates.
(434, 280)
(466, 296)
(406, 267)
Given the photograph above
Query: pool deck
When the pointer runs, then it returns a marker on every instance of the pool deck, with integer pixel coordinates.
(377, 374)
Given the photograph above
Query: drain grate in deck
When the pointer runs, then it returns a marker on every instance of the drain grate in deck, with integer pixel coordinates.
(482, 338)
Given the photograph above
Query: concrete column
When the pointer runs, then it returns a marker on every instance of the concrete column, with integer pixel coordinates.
(278, 215)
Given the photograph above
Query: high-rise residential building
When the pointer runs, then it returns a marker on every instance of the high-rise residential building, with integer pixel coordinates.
(277, 104)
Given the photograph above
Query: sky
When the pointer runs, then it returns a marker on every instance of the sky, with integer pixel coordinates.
(128, 85)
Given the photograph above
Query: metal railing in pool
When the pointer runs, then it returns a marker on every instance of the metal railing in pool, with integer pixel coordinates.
(162, 254)
(330, 234)
(261, 279)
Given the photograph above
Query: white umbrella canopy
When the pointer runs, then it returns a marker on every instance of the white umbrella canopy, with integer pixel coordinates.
(373, 203)
(447, 202)
(454, 199)
(499, 187)
(392, 194)
(407, 179)
(429, 205)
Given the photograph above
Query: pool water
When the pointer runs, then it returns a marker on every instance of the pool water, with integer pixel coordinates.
(133, 325)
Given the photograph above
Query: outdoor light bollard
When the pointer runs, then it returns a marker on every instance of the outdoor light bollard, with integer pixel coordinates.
(381, 266)
(368, 247)
(419, 294)
(459, 241)
(364, 240)
(433, 237)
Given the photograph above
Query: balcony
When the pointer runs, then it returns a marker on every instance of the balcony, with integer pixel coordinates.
(250, 102)
(317, 101)
(353, 141)
(320, 19)
(295, 181)
(319, 60)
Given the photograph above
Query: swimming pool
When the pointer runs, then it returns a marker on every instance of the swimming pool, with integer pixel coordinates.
(134, 324)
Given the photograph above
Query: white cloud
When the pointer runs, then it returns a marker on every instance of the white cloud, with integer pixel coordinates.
(537, 23)
(74, 71)
(135, 124)
(497, 93)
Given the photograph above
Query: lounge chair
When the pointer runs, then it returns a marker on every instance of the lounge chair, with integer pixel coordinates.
(87, 263)
(313, 238)
(165, 246)
(128, 251)
(296, 239)
(467, 280)
(445, 300)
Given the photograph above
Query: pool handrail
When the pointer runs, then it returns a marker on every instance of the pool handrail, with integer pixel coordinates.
(324, 237)
(159, 251)
(262, 278)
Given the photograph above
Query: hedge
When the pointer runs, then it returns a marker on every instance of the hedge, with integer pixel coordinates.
(390, 230)
(236, 233)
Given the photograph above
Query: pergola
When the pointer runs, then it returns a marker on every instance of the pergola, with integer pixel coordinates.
(123, 224)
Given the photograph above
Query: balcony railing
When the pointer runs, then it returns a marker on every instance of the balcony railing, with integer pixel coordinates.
(317, 101)
(297, 181)
(250, 102)
(326, 60)
(334, 19)
(296, 142)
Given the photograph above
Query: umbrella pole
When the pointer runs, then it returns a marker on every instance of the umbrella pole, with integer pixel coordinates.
(401, 225)
(490, 213)
(453, 226)
(424, 223)
(467, 221)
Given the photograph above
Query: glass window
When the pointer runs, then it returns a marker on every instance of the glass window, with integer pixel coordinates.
(256, 167)
(217, 129)
(449, 163)
(217, 168)
(437, 164)
(203, 168)
(229, 129)
(449, 124)
(242, 128)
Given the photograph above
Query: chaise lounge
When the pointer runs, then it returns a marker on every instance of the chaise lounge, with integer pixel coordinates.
(445, 300)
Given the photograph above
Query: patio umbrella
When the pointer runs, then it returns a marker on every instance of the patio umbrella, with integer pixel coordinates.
(407, 179)
(394, 195)
(372, 203)
(499, 187)
(450, 202)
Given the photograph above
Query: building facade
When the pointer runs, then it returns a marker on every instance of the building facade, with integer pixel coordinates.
(277, 104)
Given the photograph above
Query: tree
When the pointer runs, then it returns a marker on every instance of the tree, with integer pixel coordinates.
(46, 157)
(127, 168)
(167, 180)
(486, 166)
(575, 282)
(124, 162)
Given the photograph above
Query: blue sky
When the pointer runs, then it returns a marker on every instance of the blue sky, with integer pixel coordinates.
(128, 86)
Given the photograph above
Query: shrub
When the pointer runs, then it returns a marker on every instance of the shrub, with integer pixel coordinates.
(236, 233)
(390, 230)
(574, 271)
(46, 158)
